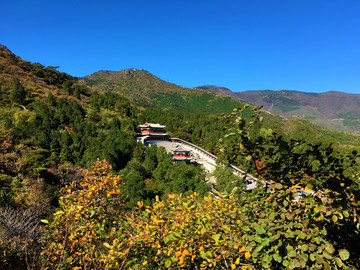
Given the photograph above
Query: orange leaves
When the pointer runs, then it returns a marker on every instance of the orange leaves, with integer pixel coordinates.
(4, 146)
(247, 255)
(242, 249)
(259, 165)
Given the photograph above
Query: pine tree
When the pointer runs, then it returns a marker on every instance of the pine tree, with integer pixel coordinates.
(18, 93)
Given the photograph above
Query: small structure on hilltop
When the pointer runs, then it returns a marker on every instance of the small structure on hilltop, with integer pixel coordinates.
(181, 154)
(152, 132)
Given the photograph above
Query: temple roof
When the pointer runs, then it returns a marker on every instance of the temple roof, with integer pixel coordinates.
(151, 125)
(180, 148)
(156, 134)
(181, 158)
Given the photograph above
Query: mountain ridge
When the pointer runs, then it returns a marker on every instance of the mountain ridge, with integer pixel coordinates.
(145, 89)
(331, 109)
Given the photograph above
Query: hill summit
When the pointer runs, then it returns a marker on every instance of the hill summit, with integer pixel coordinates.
(145, 89)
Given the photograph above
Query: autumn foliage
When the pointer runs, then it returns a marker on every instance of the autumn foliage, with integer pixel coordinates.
(92, 231)
(187, 233)
(89, 211)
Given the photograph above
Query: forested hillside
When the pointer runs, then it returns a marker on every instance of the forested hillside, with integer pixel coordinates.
(77, 191)
(145, 89)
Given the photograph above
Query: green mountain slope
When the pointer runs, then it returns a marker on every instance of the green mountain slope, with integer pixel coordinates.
(335, 110)
(145, 89)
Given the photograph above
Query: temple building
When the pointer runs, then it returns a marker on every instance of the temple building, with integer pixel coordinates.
(152, 129)
(181, 154)
(152, 132)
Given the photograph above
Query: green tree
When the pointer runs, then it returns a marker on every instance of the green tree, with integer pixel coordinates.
(150, 161)
(18, 93)
(330, 214)
(94, 102)
(134, 189)
(77, 92)
(51, 99)
(227, 181)
(182, 178)
(67, 86)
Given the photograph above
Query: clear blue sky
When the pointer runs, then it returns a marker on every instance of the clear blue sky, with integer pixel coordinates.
(306, 45)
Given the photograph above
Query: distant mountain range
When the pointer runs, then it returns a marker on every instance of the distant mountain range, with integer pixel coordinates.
(335, 110)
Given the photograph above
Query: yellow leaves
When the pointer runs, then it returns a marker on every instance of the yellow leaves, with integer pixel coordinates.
(233, 266)
(44, 221)
(170, 250)
(242, 249)
(191, 229)
(181, 255)
(216, 238)
(140, 204)
(179, 232)
(181, 261)
(203, 230)
(115, 242)
(185, 252)
(247, 255)
(334, 218)
(87, 213)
